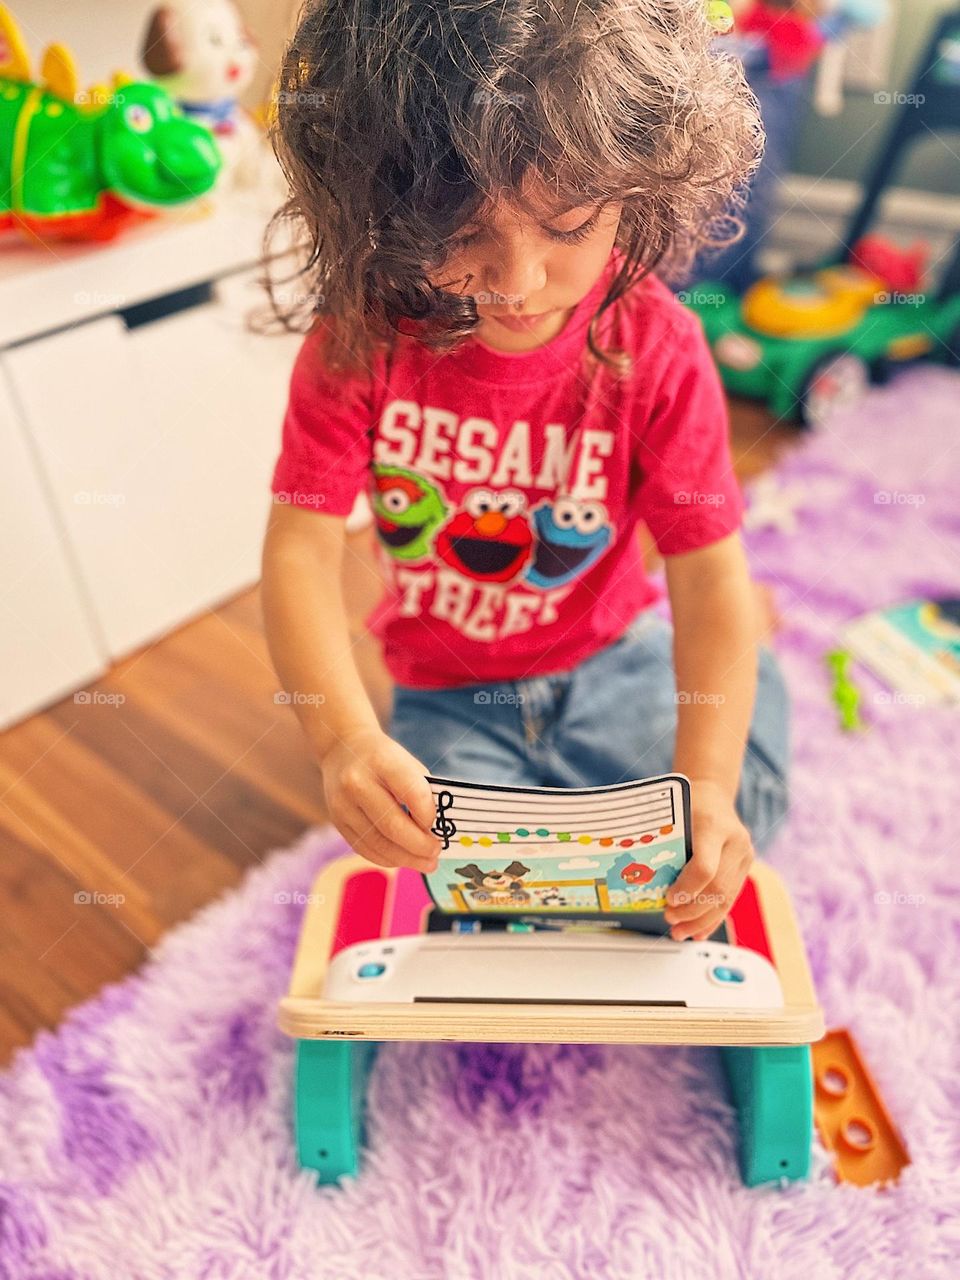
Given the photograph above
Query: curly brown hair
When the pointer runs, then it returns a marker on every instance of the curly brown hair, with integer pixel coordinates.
(398, 120)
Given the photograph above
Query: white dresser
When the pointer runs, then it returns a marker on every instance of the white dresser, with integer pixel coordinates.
(139, 421)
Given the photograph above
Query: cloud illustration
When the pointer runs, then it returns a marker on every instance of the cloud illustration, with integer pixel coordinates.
(665, 855)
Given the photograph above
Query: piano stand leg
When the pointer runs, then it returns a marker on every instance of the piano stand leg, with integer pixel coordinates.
(772, 1088)
(329, 1099)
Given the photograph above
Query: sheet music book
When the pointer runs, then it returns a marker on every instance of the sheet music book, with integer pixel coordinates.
(541, 851)
(913, 648)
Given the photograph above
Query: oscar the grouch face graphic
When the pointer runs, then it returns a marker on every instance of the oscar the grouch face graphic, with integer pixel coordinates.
(408, 510)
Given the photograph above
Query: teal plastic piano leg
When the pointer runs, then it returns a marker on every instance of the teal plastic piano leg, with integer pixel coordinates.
(772, 1090)
(330, 1087)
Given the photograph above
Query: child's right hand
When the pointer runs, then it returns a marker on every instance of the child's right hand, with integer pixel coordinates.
(366, 778)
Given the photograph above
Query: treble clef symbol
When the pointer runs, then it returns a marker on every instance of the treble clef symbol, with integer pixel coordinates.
(444, 827)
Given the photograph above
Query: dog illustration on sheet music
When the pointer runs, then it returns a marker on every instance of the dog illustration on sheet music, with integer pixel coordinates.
(496, 887)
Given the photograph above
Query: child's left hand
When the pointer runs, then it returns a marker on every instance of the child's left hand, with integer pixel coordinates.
(708, 886)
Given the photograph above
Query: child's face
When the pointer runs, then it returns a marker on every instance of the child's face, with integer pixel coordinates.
(527, 272)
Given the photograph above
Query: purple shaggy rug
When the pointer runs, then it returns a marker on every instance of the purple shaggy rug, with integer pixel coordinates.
(149, 1138)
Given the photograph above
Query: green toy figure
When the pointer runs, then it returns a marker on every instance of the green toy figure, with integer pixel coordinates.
(846, 695)
(79, 165)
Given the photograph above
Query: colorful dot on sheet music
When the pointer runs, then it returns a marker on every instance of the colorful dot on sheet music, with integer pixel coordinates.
(665, 831)
(503, 835)
(467, 840)
(606, 841)
(485, 841)
(626, 844)
(542, 832)
(563, 835)
(584, 839)
(522, 831)
(646, 839)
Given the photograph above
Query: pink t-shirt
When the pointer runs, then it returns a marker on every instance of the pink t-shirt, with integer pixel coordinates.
(507, 488)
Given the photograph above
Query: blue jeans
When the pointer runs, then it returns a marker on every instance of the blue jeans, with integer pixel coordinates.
(610, 719)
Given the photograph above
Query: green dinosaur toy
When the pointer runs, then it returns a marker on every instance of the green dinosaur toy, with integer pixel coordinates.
(82, 165)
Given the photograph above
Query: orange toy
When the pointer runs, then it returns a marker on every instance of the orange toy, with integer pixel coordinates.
(851, 1118)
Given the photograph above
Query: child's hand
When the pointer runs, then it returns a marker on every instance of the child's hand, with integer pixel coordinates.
(708, 886)
(366, 778)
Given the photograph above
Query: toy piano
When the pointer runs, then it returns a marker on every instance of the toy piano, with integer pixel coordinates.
(377, 961)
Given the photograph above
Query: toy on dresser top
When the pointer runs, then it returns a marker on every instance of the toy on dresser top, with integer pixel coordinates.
(785, 38)
(205, 56)
(82, 165)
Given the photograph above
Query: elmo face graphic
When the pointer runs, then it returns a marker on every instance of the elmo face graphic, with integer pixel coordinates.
(490, 539)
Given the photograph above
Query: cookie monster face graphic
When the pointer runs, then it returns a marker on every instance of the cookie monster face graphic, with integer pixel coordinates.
(570, 537)
(408, 511)
(490, 539)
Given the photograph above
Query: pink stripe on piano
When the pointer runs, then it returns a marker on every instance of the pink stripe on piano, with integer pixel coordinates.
(410, 898)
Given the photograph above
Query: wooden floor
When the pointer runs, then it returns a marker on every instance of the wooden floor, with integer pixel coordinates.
(121, 815)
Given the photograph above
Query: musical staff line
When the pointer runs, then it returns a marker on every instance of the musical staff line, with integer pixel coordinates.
(493, 818)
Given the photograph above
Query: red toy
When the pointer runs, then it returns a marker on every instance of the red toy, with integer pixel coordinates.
(790, 33)
(901, 270)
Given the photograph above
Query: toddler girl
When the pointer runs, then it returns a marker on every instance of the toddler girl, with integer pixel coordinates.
(492, 191)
